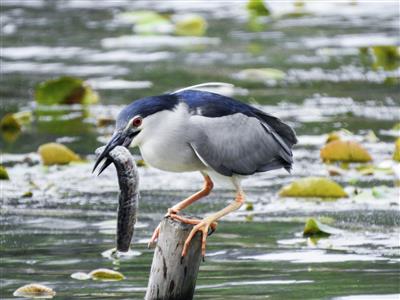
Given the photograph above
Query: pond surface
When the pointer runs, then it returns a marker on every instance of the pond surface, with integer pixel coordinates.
(329, 83)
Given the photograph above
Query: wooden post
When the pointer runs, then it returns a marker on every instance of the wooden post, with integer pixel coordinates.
(173, 277)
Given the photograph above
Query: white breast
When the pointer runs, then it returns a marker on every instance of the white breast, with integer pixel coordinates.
(164, 141)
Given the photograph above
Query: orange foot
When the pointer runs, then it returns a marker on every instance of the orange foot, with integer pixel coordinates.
(209, 228)
(171, 212)
(206, 227)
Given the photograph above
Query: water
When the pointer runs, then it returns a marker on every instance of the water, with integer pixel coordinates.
(70, 220)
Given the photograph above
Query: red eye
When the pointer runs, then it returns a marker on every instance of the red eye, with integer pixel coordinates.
(137, 121)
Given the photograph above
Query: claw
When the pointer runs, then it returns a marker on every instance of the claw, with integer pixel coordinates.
(202, 226)
(154, 237)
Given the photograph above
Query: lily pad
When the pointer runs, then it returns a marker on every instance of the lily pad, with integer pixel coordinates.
(386, 57)
(106, 275)
(257, 8)
(261, 74)
(56, 154)
(315, 228)
(313, 187)
(65, 90)
(35, 290)
(191, 25)
(396, 154)
(347, 151)
(3, 173)
(14, 121)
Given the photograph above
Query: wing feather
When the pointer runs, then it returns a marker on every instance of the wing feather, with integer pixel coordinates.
(238, 144)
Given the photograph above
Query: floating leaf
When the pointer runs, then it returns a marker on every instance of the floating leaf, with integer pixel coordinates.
(315, 228)
(65, 90)
(56, 154)
(347, 151)
(257, 8)
(80, 276)
(262, 74)
(14, 121)
(35, 290)
(396, 154)
(191, 25)
(9, 123)
(386, 57)
(3, 173)
(249, 206)
(106, 275)
(313, 187)
(28, 194)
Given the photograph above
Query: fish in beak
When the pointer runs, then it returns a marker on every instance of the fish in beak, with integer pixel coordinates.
(119, 138)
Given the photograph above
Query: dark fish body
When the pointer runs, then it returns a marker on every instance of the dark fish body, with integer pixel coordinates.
(128, 180)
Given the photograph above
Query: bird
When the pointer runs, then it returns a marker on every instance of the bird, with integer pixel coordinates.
(192, 129)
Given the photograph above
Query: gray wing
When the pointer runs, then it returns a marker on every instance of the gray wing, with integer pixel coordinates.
(239, 144)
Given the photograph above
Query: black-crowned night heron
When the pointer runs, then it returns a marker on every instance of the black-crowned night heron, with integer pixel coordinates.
(192, 130)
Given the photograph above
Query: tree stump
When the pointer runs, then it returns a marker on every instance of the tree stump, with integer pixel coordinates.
(173, 277)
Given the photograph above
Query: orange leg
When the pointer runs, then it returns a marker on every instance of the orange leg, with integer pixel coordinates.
(172, 212)
(208, 186)
(204, 224)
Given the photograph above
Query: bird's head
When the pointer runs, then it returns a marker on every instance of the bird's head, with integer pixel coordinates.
(131, 121)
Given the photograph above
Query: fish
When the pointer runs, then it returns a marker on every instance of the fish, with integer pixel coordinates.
(128, 198)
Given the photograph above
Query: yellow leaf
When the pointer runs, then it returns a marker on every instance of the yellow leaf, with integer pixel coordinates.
(56, 154)
(192, 25)
(396, 154)
(35, 290)
(313, 187)
(314, 228)
(3, 173)
(106, 275)
(348, 151)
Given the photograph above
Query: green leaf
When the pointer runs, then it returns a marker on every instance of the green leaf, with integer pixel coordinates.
(315, 228)
(56, 154)
(313, 187)
(396, 154)
(106, 275)
(249, 206)
(191, 25)
(3, 173)
(65, 90)
(257, 8)
(386, 57)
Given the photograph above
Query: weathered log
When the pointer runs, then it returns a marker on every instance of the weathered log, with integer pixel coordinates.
(173, 277)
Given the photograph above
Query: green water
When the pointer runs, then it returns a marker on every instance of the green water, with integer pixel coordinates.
(260, 254)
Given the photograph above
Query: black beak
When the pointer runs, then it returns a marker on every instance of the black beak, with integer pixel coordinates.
(118, 139)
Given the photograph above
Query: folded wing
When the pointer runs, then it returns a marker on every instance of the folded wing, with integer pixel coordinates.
(239, 144)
